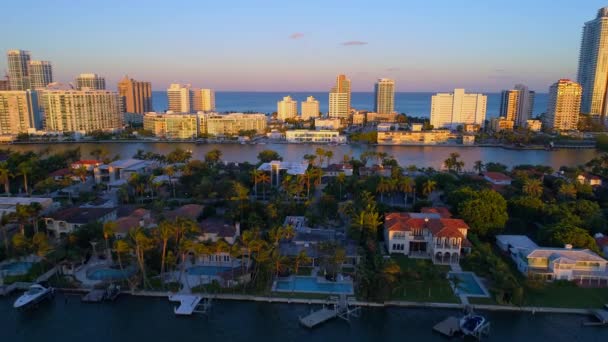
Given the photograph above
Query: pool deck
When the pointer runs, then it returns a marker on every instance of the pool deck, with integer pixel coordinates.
(319, 280)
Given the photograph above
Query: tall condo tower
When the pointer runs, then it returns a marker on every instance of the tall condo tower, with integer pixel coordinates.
(564, 106)
(593, 65)
(41, 74)
(18, 71)
(384, 100)
(90, 82)
(339, 98)
(516, 104)
(180, 98)
(136, 96)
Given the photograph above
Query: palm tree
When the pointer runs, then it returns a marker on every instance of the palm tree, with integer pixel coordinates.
(264, 179)
(329, 154)
(121, 247)
(255, 175)
(24, 169)
(406, 185)
(310, 158)
(383, 186)
(428, 187)
(166, 231)
(301, 258)
(81, 173)
(278, 261)
(170, 171)
(478, 166)
(142, 243)
(340, 179)
(3, 226)
(320, 154)
(533, 187)
(109, 228)
(241, 194)
(5, 176)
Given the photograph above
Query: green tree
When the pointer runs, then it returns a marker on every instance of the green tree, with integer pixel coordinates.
(533, 187)
(486, 213)
(5, 177)
(564, 233)
(479, 166)
(213, 157)
(266, 156)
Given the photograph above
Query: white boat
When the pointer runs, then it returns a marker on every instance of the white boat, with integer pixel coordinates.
(472, 324)
(35, 294)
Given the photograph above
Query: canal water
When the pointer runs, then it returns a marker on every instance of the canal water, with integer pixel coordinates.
(152, 319)
(421, 156)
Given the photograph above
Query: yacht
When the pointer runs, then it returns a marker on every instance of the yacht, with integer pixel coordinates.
(472, 324)
(35, 294)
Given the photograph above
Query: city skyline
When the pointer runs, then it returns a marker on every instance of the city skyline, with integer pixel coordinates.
(250, 53)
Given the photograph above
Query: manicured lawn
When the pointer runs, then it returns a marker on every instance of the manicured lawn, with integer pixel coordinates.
(419, 289)
(564, 295)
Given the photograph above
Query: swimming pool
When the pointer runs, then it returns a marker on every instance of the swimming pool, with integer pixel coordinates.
(110, 273)
(207, 270)
(16, 268)
(467, 284)
(313, 285)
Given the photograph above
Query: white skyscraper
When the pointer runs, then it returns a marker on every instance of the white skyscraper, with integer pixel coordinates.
(310, 108)
(564, 106)
(287, 108)
(41, 74)
(593, 65)
(457, 108)
(384, 98)
(19, 112)
(81, 110)
(18, 71)
(339, 98)
(90, 82)
(180, 98)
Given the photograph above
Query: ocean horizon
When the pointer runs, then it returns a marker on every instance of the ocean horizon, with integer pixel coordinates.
(411, 103)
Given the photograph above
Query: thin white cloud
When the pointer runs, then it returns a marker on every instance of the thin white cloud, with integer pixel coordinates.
(354, 43)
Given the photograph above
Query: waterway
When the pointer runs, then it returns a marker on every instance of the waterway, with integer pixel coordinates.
(422, 156)
(152, 319)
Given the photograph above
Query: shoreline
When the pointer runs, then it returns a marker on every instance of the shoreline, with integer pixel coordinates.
(146, 141)
(387, 304)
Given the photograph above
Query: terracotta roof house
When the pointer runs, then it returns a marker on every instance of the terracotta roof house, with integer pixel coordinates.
(90, 164)
(442, 211)
(497, 178)
(334, 170)
(215, 229)
(426, 235)
(138, 218)
(68, 220)
(189, 211)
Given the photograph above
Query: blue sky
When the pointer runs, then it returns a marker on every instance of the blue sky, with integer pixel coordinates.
(433, 45)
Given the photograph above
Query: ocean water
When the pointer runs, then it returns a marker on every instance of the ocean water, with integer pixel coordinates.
(413, 104)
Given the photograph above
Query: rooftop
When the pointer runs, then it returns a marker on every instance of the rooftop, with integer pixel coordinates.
(218, 227)
(572, 254)
(497, 176)
(189, 211)
(81, 215)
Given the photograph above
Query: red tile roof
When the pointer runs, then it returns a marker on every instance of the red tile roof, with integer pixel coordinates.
(442, 211)
(497, 176)
(88, 162)
(443, 227)
(60, 173)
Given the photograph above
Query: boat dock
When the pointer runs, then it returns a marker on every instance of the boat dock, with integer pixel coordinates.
(189, 304)
(94, 296)
(448, 327)
(340, 309)
(602, 318)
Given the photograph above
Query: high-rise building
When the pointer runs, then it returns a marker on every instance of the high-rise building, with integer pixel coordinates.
(517, 104)
(564, 106)
(4, 84)
(90, 82)
(203, 100)
(19, 112)
(172, 126)
(310, 108)
(287, 108)
(180, 98)
(41, 74)
(135, 96)
(457, 108)
(339, 98)
(384, 99)
(593, 65)
(18, 71)
(81, 110)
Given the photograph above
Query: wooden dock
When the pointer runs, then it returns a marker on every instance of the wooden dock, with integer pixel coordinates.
(448, 327)
(94, 296)
(317, 317)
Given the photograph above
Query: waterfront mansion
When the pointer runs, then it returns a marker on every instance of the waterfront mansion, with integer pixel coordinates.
(430, 234)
